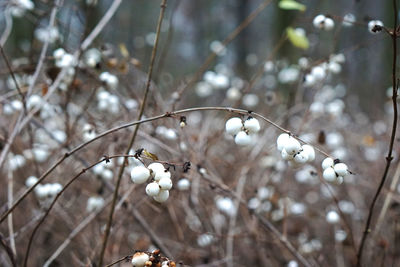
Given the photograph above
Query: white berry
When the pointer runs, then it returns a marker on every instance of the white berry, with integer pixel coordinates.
(318, 21)
(183, 184)
(139, 259)
(301, 157)
(31, 180)
(341, 169)
(332, 217)
(252, 125)
(233, 125)
(162, 196)
(329, 174)
(165, 183)
(372, 26)
(242, 139)
(152, 189)
(282, 140)
(326, 163)
(285, 155)
(329, 24)
(140, 174)
(309, 151)
(292, 146)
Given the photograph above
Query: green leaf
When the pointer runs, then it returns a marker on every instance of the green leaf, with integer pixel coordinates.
(297, 38)
(291, 5)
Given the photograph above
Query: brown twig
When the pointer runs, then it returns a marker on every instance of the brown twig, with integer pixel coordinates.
(13, 76)
(142, 108)
(389, 156)
(115, 129)
(126, 258)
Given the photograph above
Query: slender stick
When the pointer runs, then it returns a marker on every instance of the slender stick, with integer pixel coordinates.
(389, 156)
(102, 23)
(126, 258)
(115, 129)
(13, 76)
(142, 108)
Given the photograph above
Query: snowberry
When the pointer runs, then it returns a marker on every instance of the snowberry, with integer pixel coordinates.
(226, 205)
(292, 146)
(233, 125)
(162, 196)
(94, 203)
(183, 184)
(152, 189)
(329, 24)
(54, 189)
(318, 21)
(156, 167)
(162, 174)
(250, 100)
(309, 151)
(165, 183)
(30, 181)
(58, 53)
(348, 20)
(252, 125)
(332, 217)
(375, 26)
(301, 157)
(323, 23)
(285, 155)
(318, 72)
(106, 175)
(282, 140)
(243, 139)
(139, 259)
(205, 240)
(34, 101)
(329, 174)
(41, 191)
(140, 174)
(326, 163)
(233, 94)
(66, 61)
(341, 169)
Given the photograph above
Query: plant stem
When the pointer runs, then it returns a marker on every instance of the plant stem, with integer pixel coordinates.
(132, 140)
(389, 156)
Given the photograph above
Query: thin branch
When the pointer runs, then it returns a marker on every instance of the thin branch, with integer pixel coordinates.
(126, 258)
(142, 108)
(9, 25)
(115, 129)
(8, 250)
(102, 23)
(389, 156)
(13, 76)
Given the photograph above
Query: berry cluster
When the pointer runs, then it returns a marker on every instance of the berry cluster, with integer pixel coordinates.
(161, 182)
(334, 170)
(292, 151)
(243, 131)
(324, 23)
(49, 190)
(147, 259)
